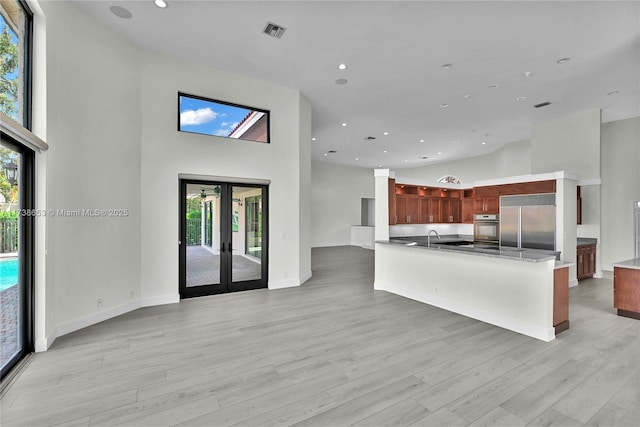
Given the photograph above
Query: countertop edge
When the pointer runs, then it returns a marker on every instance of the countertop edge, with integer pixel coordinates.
(633, 264)
(522, 257)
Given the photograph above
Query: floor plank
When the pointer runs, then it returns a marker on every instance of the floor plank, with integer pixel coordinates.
(333, 352)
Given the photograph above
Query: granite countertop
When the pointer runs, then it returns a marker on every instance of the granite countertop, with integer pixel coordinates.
(585, 241)
(504, 252)
(630, 263)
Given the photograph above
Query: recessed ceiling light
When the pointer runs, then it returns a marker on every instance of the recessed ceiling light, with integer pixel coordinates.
(444, 105)
(447, 66)
(484, 143)
(313, 139)
(342, 81)
(422, 140)
(493, 86)
(385, 133)
(563, 60)
(384, 151)
(467, 96)
(521, 98)
(423, 157)
(527, 74)
(379, 166)
(357, 159)
(342, 67)
(613, 92)
(344, 124)
(439, 152)
(120, 12)
(455, 141)
(160, 3)
(326, 154)
(406, 160)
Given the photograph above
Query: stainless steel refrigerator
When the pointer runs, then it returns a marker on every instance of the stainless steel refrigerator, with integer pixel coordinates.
(528, 221)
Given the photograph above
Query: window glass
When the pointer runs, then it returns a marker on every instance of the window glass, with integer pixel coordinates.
(219, 118)
(15, 34)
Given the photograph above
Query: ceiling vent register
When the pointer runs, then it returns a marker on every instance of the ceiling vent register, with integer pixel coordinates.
(274, 30)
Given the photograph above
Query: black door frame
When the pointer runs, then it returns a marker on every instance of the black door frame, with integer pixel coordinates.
(26, 252)
(226, 280)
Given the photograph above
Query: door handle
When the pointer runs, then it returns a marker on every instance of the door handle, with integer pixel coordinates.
(222, 248)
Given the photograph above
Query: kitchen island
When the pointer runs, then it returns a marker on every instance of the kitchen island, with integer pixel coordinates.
(626, 288)
(520, 290)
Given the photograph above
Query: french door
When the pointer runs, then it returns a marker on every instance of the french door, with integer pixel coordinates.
(223, 237)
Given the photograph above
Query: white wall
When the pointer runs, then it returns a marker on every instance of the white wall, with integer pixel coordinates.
(93, 130)
(336, 193)
(620, 153)
(510, 160)
(111, 121)
(570, 144)
(167, 153)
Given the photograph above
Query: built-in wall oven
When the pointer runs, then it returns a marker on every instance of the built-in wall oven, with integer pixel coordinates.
(486, 231)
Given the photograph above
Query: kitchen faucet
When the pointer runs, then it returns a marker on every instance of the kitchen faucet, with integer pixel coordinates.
(429, 237)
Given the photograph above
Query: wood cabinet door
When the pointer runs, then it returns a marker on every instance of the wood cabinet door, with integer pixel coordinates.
(467, 211)
(478, 205)
(590, 260)
(435, 210)
(450, 210)
(492, 205)
(580, 263)
(401, 208)
(413, 209)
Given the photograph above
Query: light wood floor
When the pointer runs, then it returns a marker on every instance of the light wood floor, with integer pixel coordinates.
(333, 352)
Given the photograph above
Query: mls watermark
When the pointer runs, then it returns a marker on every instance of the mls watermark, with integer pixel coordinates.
(75, 213)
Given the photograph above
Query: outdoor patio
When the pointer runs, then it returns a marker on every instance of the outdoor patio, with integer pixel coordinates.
(203, 267)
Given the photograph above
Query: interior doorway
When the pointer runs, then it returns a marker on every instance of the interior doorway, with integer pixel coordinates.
(223, 237)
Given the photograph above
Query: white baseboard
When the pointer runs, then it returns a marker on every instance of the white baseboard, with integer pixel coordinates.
(43, 344)
(290, 283)
(161, 300)
(306, 276)
(573, 282)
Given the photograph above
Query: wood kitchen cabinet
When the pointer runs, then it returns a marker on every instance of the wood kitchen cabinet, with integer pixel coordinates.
(586, 261)
(430, 210)
(626, 291)
(486, 205)
(407, 209)
(450, 211)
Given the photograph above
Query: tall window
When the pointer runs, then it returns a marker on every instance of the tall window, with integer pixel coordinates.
(17, 159)
(15, 68)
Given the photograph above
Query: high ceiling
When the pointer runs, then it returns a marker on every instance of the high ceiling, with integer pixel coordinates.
(503, 59)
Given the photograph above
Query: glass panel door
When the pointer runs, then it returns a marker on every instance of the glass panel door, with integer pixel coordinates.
(11, 262)
(223, 238)
(246, 234)
(202, 239)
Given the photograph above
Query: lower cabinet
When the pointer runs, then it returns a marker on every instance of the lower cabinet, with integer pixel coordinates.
(626, 291)
(586, 261)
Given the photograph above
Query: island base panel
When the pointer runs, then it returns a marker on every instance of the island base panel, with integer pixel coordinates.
(630, 314)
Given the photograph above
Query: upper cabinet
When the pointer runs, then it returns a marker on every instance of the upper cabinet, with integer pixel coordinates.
(416, 204)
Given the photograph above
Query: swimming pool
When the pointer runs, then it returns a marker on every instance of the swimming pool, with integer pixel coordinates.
(8, 273)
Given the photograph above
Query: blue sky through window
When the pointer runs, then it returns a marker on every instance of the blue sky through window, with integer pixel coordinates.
(12, 75)
(208, 117)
